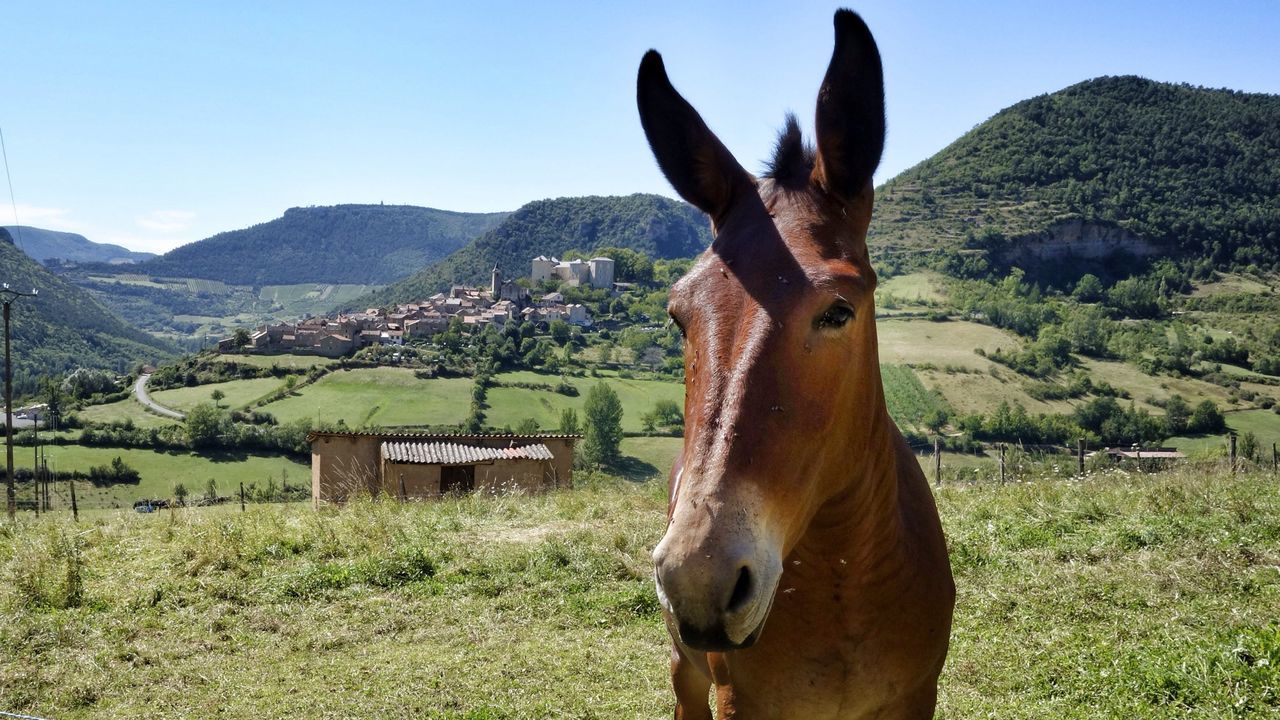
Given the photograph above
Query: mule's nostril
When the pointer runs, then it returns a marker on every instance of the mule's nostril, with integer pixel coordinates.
(741, 591)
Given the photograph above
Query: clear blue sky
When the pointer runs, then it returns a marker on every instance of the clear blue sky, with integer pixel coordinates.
(156, 124)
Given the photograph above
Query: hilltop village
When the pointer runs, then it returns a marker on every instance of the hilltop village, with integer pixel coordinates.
(502, 302)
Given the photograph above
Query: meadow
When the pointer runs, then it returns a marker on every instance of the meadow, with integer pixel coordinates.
(236, 393)
(394, 397)
(160, 471)
(1117, 595)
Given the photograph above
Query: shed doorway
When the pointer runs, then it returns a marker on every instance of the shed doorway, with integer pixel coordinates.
(457, 479)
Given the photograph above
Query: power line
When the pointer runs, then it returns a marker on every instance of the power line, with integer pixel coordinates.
(16, 225)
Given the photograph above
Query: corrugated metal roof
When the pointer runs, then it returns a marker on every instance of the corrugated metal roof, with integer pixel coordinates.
(457, 453)
(314, 434)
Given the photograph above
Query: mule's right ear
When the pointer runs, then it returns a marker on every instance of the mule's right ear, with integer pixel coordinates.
(694, 160)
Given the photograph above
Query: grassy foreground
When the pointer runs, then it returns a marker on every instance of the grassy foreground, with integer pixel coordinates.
(1117, 596)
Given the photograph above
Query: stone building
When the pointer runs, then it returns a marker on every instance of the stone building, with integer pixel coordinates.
(596, 272)
(421, 466)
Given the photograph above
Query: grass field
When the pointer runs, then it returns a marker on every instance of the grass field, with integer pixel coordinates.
(915, 342)
(378, 396)
(1119, 596)
(1232, 284)
(127, 409)
(914, 287)
(312, 298)
(909, 402)
(394, 397)
(508, 406)
(237, 393)
(160, 471)
(285, 361)
(1142, 386)
(1264, 424)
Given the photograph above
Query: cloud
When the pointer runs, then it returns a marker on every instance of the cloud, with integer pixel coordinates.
(166, 221)
(49, 218)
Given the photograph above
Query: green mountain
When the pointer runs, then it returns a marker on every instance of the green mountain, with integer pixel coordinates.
(369, 244)
(63, 327)
(1116, 162)
(45, 245)
(654, 225)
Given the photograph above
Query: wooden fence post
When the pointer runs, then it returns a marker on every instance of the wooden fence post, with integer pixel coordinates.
(937, 462)
(242, 497)
(1275, 459)
(403, 496)
(1080, 455)
(1232, 440)
(75, 509)
(1001, 463)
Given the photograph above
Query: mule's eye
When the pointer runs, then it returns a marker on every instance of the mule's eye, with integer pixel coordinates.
(836, 316)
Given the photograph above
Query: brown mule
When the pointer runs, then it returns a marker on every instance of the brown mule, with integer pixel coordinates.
(803, 571)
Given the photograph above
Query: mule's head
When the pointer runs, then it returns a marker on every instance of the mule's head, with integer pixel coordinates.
(782, 378)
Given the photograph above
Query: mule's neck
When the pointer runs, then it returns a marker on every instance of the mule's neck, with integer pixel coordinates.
(861, 523)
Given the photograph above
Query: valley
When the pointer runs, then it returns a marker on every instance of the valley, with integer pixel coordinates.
(1025, 298)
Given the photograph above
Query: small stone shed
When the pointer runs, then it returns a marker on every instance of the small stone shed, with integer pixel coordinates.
(419, 466)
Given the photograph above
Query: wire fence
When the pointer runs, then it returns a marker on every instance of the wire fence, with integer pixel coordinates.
(974, 462)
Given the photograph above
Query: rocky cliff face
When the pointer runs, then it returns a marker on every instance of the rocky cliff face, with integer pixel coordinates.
(1078, 240)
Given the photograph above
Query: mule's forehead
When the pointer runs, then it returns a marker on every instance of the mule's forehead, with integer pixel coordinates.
(793, 245)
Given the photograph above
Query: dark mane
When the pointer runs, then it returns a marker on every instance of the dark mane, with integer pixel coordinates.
(792, 158)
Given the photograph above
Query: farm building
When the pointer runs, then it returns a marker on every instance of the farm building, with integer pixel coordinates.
(417, 465)
(1161, 455)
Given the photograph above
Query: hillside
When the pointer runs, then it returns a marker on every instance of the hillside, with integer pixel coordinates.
(1162, 168)
(362, 244)
(44, 245)
(654, 225)
(64, 327)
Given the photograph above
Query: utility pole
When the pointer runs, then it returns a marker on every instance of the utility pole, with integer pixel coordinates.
(7, 296)
(35, 459)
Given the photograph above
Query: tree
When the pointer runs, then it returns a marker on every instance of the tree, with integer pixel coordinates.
(665, 413)
(217, 396)
(527, 426)
(211, 490)
(240, 338)
(561, 331)
(85, 382)
(1250, 448)
(51, 391)
(205, 426)
(1177, 412)
(603, 425)
(1206, 419)
(180, 493)
(1089, 289)
(569, 422)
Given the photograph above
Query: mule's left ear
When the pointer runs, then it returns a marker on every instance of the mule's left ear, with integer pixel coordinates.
(850, 120)
(694, 160)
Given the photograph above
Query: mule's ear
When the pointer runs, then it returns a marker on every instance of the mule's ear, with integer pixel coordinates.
(850, 120)
(694, 160)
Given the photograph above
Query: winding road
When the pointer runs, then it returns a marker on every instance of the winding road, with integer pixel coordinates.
(140, 392)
